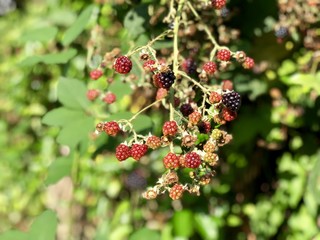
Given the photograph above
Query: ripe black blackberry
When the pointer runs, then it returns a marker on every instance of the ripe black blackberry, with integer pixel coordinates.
(282, 32)
(232, 101)
(166, 79)
(186, 109)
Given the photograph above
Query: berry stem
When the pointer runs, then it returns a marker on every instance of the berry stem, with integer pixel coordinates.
(205, 28)
(144, 109)
(150, 43)
(205, 90)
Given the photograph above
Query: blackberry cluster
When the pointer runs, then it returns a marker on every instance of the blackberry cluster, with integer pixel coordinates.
(232, 101)
(166, 79)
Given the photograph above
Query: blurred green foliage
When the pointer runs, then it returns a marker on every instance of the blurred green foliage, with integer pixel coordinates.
(267, 184)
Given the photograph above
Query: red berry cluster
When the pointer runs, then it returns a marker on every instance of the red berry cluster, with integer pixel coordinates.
(199, 103)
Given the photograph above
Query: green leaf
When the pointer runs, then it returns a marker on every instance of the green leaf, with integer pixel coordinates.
(183, 223)
(78, 26)
(60, 168)
(52, 58)
(314, 180)
(287, 67)
(73, 133)
(162, 44)
(14, 235)
(134, 21)
(62, 116)
(72, 93)
(145, 233)
(120, 89)
(206, 226)
(44, 227)
(44, 34)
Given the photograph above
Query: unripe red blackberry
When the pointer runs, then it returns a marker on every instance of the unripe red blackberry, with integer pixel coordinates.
(96, 74)
(166, 79)
(176, 192)
(215, 97)
(171, 161)
(232, 100)
(209, 146)
(149, 65)
(195, 117)
(248, 63)
(138, 150)
(210, 68)
(170, 128)
(161, 93)
(92, 94)
(123, 152)
(110, 98)
(122, 65)
(189, 66)
(224, 55)
(228, 115)
(111, 128)
(153, 142)
(227, 85)
(192, 160)
(218, 4)
(186, 109)
(156, 80)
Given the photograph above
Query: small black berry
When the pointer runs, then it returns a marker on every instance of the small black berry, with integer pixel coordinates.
(186, 109)
(166, 79)
(232, 101)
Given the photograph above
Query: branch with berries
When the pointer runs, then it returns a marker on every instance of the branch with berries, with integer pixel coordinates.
(198, 103)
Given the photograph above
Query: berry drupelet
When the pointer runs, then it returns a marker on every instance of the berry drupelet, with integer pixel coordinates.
(232, 101)
(123, 152)
(210, 68)
(224, 55)
(171, 161)
(166, 79)
(176, 192)
(138, 151)
(248, 63)
(192, 160)
(122, 65)
(111, 128)
(170, 128)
